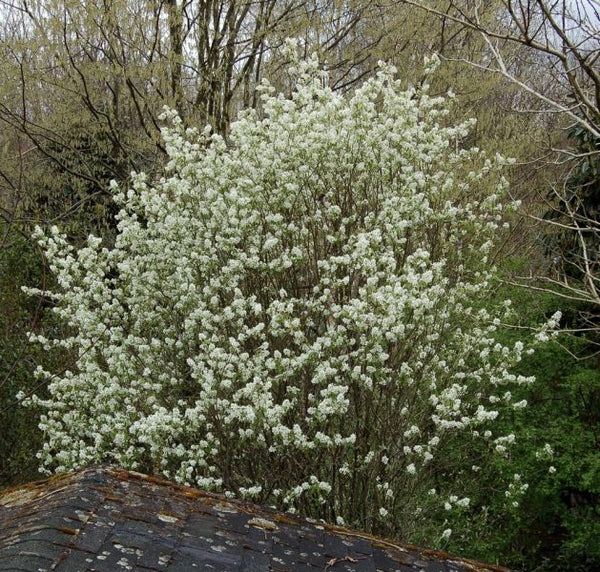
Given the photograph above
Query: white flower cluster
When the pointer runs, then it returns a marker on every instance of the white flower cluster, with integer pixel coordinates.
(515, 491)
(545, 453)
(292, 315)
(453, 501)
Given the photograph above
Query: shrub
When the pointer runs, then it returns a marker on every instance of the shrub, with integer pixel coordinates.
(292, 315)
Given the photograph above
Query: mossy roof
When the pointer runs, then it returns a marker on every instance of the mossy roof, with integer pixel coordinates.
(106, 519)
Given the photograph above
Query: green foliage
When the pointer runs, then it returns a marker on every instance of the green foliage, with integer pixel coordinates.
(19, 435)
(562, 510)
(557, 454)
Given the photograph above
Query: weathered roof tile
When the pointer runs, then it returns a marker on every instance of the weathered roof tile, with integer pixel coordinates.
(105, 519)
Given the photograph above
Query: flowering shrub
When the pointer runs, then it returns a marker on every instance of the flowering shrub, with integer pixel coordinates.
(294, 315)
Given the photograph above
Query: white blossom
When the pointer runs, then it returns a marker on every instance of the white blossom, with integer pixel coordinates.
(289, 304)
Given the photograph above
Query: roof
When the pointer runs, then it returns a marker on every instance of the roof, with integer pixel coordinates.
(107, 519)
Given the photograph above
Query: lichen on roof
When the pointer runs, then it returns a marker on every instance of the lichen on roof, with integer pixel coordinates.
(105, 519)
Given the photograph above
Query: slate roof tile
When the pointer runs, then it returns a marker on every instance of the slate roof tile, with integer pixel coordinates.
(105, 519)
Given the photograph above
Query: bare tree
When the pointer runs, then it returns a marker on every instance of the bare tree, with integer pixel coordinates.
(557, 60)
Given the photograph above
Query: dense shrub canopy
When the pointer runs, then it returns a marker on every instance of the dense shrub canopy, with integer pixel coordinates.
(294, 315)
